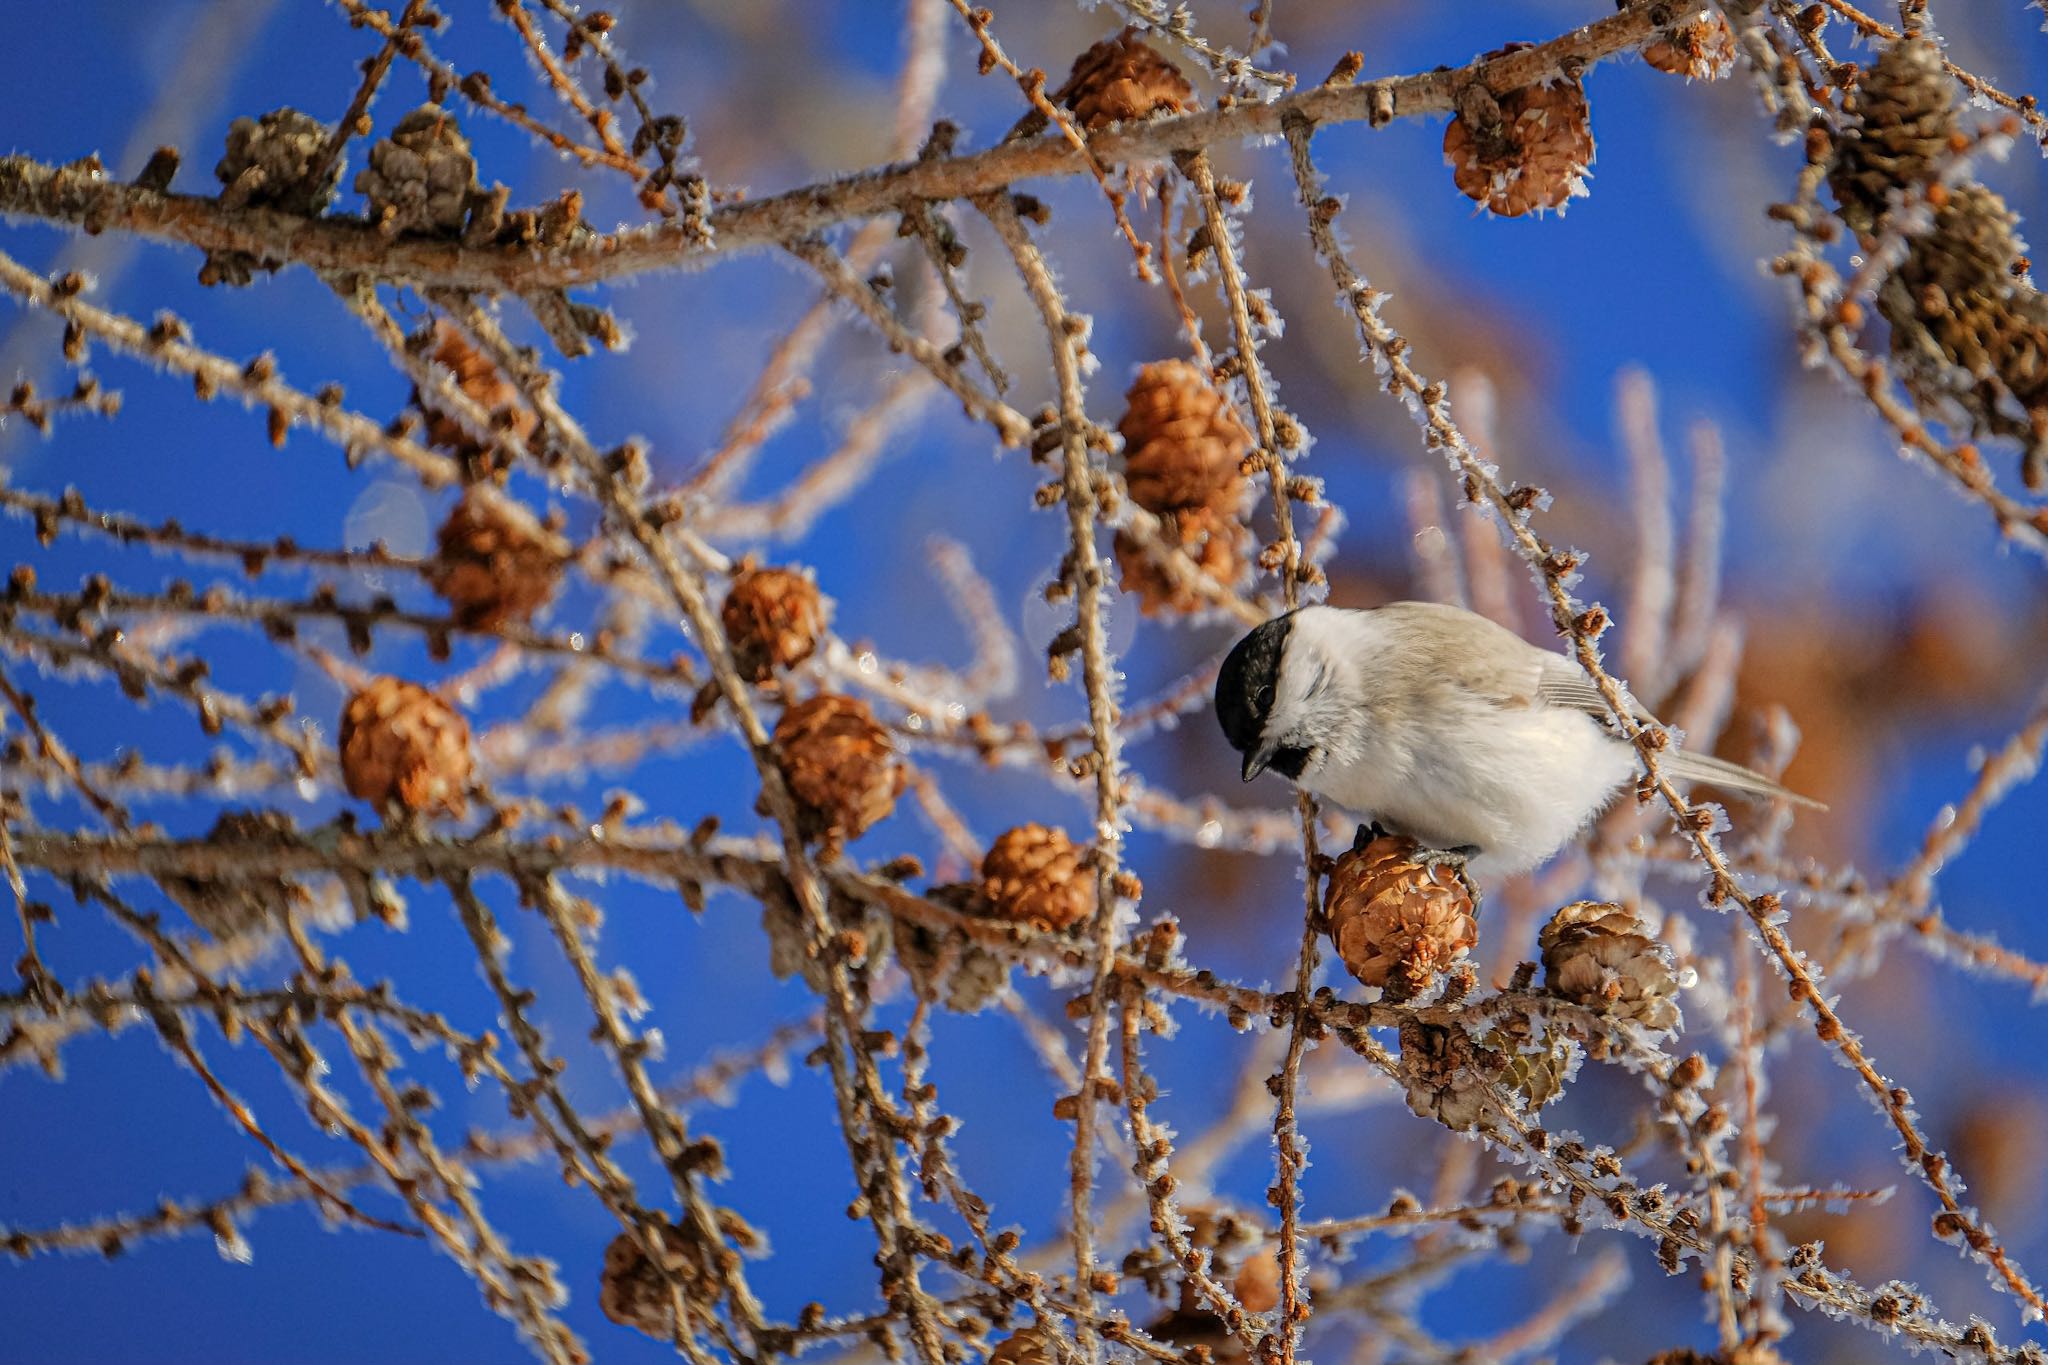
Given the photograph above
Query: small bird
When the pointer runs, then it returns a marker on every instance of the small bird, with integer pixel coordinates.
(1438, 724)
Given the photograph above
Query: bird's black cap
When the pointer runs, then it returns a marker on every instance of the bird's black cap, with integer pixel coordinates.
(1245, 683)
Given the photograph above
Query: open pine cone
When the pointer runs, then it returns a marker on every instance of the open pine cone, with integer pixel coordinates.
(269, 161)
(1395, 922)
(1903, 112)
(1521, 152)
(1599, 955)
(421, 178)
(632, 1291)
(1026, 1347)
(1036, 875)
(1122, 78)
(1969, 335)
(1440, 1063)
(1216, 544)
(1535, 1065)
(774, 618)
(1700, 49)
(402, 746)
(498, 563)
(839, 764)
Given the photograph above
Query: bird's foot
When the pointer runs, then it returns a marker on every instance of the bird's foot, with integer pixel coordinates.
(1456, 859)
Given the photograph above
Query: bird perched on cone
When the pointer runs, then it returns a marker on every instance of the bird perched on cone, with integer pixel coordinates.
(1441, 725)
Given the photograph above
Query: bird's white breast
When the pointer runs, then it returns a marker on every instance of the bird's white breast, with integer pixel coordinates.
(1514, 782)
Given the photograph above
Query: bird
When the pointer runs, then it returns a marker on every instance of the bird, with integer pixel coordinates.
(1439, 724)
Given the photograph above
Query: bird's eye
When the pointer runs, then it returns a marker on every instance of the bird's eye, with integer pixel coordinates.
(1266, 697)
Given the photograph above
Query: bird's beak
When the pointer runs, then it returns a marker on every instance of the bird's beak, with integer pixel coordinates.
(1255, 762)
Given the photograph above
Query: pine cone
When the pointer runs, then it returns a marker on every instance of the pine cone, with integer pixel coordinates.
(1183, 442)
(840, 766)
(1969, 334)
(632, 1291)
(1022, 1348)
(1521, 152)
(1122, 78)
(1534, 1067)
(1700, 49)
(977, 977)
(421, 178)
(1441, 1083)
(1216, 544)
(773, 618)
(498, 563)
(1903, 114)
(1257, 1284)
(229, 905)
(1035, 875)
(1599, 955)
(269, 162)
(1397, 923)
(484, 384)
(403, 746)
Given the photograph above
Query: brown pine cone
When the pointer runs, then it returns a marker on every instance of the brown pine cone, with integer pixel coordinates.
(1521, 152)
(1215, 543)
(1969, 334)
(228, 905)
(498, 563)
(1026, 1347)
(1257, 1284)
(422, 178)
(1440, 1063)
(1701, 49)
(1599, 955)
(1034, 874)
(1903, 112)
(961, 974)
(269, 161)
(1122, 78)
(840, 766)
(632, 1292)
(1395, 922)
(403, 746)
(1183, 442)
(773, 618)
(484, 384)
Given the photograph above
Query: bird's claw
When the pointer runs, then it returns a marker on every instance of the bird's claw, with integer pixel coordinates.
(1456, 859)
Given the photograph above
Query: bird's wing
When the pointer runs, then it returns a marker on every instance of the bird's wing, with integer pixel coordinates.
(1563, 683)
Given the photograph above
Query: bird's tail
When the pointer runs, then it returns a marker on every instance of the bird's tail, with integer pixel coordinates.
(1733, 776)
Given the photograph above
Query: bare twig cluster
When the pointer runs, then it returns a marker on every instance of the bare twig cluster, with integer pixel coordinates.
(470, 669)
